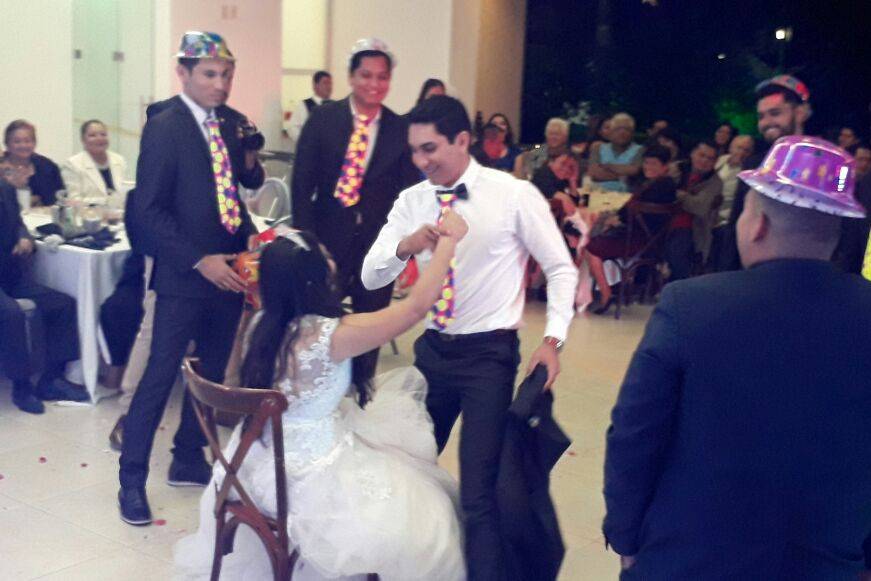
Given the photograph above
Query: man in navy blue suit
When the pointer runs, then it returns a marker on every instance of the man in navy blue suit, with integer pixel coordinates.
(740, 444)
(187, 214)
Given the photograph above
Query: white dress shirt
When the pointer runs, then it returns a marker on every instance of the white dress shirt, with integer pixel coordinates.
(200, 114)
(508, 220)
(298, 119)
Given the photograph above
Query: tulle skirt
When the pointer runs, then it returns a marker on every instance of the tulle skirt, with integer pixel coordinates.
(378, 503)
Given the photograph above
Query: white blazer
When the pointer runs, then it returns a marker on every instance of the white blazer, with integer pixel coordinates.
(83, 179)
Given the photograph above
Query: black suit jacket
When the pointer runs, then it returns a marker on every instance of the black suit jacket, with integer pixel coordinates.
(46, 179)
(348, 232)
(740, 445)
(12, 229)
(174, 204)
(534, 442)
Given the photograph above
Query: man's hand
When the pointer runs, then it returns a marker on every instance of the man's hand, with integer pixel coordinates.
(23, 248)
(627, 562)
(422, 239)
(253, 243)
(547, 355)
(216, 270)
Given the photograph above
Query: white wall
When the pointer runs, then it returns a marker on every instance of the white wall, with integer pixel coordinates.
(417, 32)
(36, 44)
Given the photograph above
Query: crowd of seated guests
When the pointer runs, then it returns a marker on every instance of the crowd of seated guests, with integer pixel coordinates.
(37, 343)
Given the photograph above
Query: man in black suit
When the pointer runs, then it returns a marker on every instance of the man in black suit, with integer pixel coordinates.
(740, 446)
(55, 315)
(329, 161)
(189, 216)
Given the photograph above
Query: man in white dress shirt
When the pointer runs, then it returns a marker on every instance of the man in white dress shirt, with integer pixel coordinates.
(469, 353)
(322, 87)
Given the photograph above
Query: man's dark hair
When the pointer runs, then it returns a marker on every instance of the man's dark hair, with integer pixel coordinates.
(789, 96)
(188, 63)
(320, 75)
(707, 143)
(357, 59)
(657, 151)
(448, 114)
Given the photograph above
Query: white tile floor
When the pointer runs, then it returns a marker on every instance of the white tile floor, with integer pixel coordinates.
(58, 478)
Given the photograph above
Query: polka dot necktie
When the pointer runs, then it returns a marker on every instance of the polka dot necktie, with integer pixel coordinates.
(228, 200)
(442, 312)
(351, 178)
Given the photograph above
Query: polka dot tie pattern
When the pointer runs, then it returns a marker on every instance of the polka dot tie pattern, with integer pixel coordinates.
(351, 178)
(442, 312)
(228, 200)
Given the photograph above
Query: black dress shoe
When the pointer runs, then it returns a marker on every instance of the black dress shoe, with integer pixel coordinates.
(61, 389)
(133, 505)
(116, 438)
(27, 402)
(189, 474)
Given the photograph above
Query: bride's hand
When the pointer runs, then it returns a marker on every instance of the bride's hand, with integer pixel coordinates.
(453, 226)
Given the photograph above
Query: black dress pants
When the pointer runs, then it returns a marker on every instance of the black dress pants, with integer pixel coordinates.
(212, 323)
(120, 317)
(55, 322)
(473, 374)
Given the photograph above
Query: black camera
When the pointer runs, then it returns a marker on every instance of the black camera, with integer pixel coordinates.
(250, 136)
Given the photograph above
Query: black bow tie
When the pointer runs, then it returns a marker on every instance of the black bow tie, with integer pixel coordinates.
(460, 192)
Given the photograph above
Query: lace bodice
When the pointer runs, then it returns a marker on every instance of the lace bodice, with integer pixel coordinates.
(315, 386)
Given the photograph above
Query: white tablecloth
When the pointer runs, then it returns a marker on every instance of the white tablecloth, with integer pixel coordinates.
(90, 276)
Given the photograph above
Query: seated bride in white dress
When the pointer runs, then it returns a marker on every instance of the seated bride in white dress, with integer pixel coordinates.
(365, 492)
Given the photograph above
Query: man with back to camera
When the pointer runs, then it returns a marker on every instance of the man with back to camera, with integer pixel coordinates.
(739, 446)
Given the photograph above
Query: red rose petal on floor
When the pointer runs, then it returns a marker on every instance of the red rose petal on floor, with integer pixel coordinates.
(1, 477)
(159, 522)
(43, 460)
(570, 453)
(84, 464)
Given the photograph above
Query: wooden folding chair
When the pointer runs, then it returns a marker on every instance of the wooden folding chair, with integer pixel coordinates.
(650, 253)
(261, 407)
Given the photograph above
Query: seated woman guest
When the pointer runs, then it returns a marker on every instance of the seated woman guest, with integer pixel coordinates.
(613, 164)
(95, 172)
(494, 149)
(430, 87)
(25, 169)
(611, 241)
(723, 136)
(556, 136)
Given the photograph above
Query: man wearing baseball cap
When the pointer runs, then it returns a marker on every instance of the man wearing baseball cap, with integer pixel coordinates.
(352, 160)
(739, 446)
(782, 108)
(186, 211)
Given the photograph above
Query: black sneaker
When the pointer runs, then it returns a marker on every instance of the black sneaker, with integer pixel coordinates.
(189, 474)
(61, 389)
(133, 505)
(27, 402)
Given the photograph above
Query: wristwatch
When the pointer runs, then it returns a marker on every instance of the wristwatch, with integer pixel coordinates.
(555, 343)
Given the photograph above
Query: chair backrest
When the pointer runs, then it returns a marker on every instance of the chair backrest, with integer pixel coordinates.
(272, 200)
(653, 241)
(262, 407)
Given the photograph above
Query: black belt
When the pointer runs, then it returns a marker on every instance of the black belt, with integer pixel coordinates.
(467, 337)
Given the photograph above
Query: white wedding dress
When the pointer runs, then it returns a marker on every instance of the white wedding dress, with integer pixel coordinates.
(364, 490)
